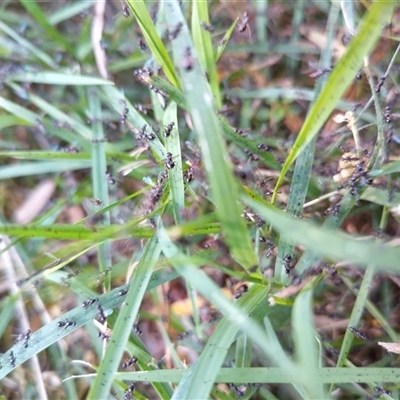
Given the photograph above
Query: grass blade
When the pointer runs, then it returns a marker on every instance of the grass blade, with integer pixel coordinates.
(173, 146)
(56, 78)
(338, 81)
(307, 354)
(154, 42)
(126, 318)
(325, 242)
(203, 44)
(215, 157)
(304, 163)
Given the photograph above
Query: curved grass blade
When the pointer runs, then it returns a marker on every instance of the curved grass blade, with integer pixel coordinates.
(18, 111)
(214, 154)
(338, 81)
(157, 48)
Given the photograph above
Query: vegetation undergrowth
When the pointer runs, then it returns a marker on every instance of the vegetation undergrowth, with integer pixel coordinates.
(199, 202)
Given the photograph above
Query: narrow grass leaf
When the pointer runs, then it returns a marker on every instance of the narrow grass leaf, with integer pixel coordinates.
(67, 12)
(356, 314)
(224, 41)
(44, 155)
(338, 81)
(203, 44)
(236, 317)
(56, 114)
(126, 318)
(100, 177)
(279, 353)
(41, 167)
(325, 242)
(333, 222)
(10, 120)
(273, 375)
(177, 96)
(243, 352)
(51, 333)
(173, 146)
(387, 169)
(383, 197)
(19, 111)
(25, 44)
(117, 100)
(56, 78)
(32, 7)
(307, 356)
(304, 163)
(154, 42)
(76, 232)
(214, 154)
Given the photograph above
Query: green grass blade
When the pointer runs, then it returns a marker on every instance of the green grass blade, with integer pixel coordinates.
(10, 120)
(307, 356)
(356, 315)
(157, 48)
(244, 143)
(173, 146)
(33, 50)
(126, 318)
(215, 157)
(115, 99)
(243, 352)
(19, 111)
(67, 12)
(223, 43)
(56, 78)
(273, 375)
(325, 242)
(236, 318)
(41, 167)
(99, 177)
(58, 115)
(338, 81)
(203, 44)
(32, 7)
(45, 155)
(304, 162)
(51, 333)
(77, 232)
